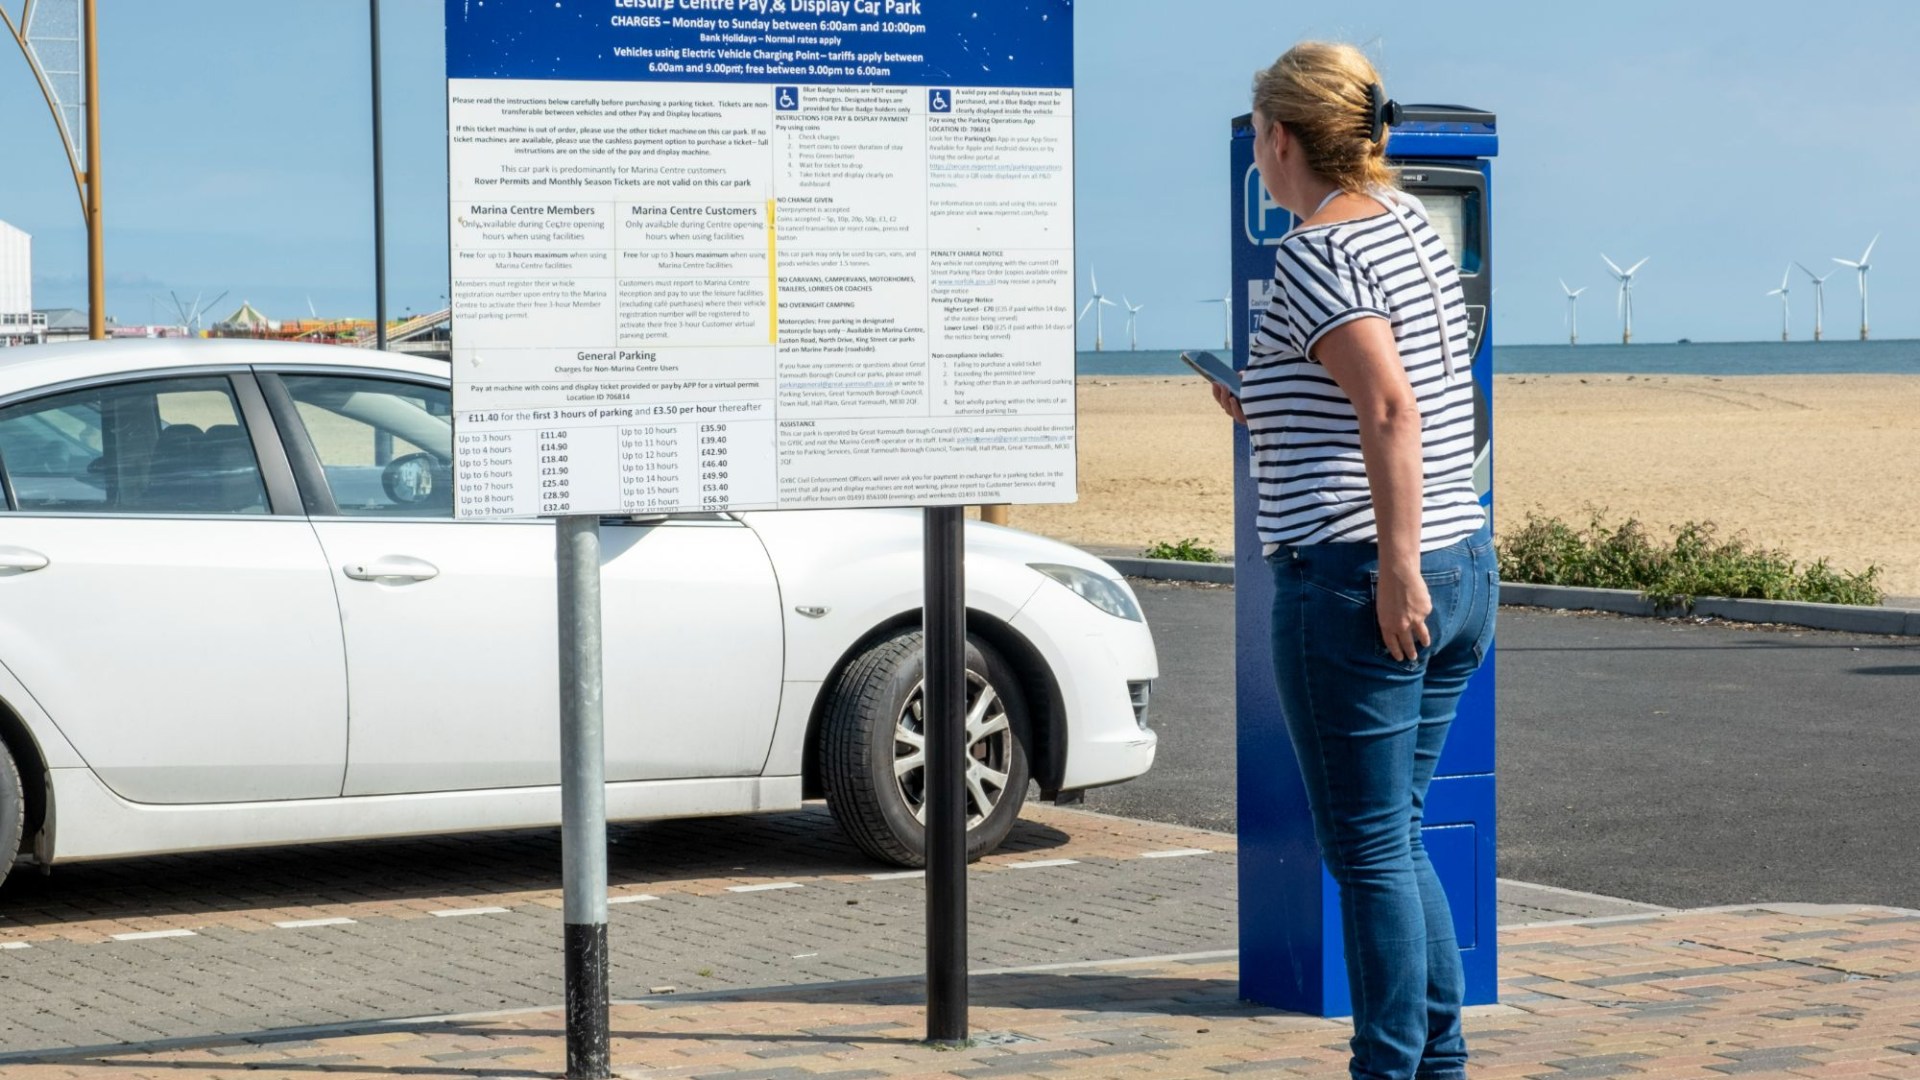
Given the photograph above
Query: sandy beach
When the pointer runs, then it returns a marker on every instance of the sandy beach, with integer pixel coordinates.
(1815, 465)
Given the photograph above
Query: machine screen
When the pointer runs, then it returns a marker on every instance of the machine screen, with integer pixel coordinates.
(1447, 212)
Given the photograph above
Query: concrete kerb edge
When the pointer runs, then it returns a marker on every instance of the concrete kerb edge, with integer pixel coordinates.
(1171, 569)
(1776, 907)
(1845, 618)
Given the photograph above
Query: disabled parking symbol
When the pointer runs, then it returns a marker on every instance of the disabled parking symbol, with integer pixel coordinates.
(786, 98)
(939, 101)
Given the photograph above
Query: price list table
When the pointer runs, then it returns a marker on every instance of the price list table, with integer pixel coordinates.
(670, 466)
(703, 465)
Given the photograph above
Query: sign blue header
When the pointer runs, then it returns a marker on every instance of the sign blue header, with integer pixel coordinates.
(996, 43)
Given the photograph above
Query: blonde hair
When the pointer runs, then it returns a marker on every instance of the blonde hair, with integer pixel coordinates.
(1319, 91)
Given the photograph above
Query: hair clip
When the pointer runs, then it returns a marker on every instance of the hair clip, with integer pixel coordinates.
(1382, 112)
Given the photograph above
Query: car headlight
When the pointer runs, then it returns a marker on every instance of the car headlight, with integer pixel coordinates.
(1102, 593)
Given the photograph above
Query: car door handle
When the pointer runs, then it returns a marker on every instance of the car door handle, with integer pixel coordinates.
(392, 568)
(21, 560)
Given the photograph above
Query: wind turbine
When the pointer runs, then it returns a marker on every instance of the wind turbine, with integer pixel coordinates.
(1095, 305)
(1226, 312)
(1819, 297)
(1781, 292)
(1133, 310)
(1573, 311)
(1625, 303)
(1863, 266)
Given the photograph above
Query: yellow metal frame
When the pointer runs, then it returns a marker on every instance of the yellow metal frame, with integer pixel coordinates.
(86, 182)
(19, 35)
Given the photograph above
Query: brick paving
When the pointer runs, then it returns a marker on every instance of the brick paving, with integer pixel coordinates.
(413, 879)
(296, 937)
(1702, 995)
(295, 962)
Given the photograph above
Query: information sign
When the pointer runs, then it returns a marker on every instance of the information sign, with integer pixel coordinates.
(758, 254)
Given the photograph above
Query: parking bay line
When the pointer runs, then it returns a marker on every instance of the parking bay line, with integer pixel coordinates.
(764, 888)
(637, 898)
(897, 875)
(14, 945)
(1038, 863)
(150, 935)
(303, 924)
(1175, 853)
(456, 913)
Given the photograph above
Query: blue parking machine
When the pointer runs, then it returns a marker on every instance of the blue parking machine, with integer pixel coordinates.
(1290, 941)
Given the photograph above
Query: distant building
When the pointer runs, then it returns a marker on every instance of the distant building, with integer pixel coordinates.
(62, 324)
(19, 325)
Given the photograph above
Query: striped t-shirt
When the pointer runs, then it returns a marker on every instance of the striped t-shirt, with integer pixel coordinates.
(1306, 436)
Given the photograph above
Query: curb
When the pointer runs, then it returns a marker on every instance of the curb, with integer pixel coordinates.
(1171, 569)
(1846, 618)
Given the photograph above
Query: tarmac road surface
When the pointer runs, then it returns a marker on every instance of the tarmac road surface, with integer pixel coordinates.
(1663, 761)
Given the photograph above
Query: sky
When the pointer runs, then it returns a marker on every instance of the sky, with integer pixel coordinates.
(1719, 140)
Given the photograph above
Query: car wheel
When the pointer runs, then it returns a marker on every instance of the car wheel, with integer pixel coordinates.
(13, 811)
(873, 750)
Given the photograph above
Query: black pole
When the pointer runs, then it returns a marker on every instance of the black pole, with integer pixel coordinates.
(379, 190)
(946, 793)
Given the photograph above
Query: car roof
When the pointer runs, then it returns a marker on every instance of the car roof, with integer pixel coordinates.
(29, 367)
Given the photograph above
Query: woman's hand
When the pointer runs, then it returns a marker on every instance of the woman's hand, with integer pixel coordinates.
(1403, 604)
(1228, 403)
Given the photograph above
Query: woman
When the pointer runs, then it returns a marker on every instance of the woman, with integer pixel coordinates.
(1359, 403)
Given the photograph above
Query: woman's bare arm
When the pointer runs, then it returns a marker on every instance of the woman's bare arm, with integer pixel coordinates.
(1362, 357)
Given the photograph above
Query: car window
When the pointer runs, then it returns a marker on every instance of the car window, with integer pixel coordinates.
(161, 446)
(386, 447)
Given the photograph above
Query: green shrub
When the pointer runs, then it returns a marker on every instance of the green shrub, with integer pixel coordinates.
(1188, 550)
(1603, 555)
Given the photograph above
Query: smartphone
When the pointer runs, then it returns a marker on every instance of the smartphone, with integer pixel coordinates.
(1214, 370)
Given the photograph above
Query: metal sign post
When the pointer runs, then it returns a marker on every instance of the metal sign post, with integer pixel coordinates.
(379, 186)
(946, 796)
(583, 796)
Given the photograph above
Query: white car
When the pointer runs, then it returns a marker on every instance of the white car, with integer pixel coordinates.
(235, 610)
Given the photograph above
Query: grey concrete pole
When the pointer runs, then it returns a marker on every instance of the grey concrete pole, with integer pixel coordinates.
(583, 796)
(946, 789)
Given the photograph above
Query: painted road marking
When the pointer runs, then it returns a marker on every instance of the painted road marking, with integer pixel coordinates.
(302, 924)
(637, 898)
(764, 888)
(1176, 853)
(460, 912)
(14, 945)
(897, 875)
(1040, 863)
(149, 935)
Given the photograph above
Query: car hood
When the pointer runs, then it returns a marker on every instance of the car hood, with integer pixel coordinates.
(856, 530)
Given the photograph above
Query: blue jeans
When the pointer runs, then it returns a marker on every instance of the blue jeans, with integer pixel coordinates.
(1368, 730)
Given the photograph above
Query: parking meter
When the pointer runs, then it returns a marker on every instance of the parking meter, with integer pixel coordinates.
(1290, 939)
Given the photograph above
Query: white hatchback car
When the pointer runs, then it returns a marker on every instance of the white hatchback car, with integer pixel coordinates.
(235, 610)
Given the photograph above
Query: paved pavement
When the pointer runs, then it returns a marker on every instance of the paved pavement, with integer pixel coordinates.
(1661, 760)
(1755, 993)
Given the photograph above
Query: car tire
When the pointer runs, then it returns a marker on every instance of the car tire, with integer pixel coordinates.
(13, 812)
(871, 735)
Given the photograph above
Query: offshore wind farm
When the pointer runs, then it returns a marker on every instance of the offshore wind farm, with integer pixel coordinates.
(1722, 358)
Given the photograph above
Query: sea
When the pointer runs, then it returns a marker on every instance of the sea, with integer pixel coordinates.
(1900, 357)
